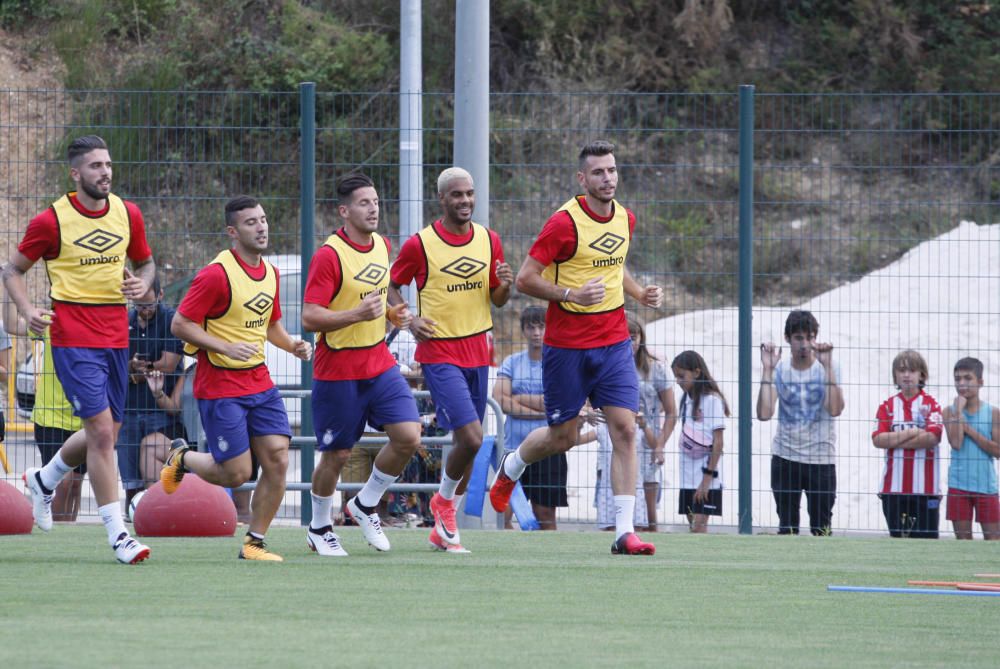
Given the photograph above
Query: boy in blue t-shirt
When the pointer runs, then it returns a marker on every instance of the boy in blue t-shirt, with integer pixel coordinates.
(973, 428)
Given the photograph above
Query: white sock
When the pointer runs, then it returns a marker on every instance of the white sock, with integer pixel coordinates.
(52, 473)
(624, 510)
(322, 507)
(514, 465)
(375, 487)
(448, 486)
(111, 516)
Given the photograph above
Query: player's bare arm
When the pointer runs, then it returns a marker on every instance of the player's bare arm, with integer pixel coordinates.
(422, 328)
(137, 281)
(531, 282)
(318, 318)
(12, 323)
(187, 330)
(501, 293)
(648, 296)
(13, 281)
(278, 335)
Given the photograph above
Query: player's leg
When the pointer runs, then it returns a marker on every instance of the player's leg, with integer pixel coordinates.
(385, 402)
(270, 435)
(84, 375)
(66, 498)
(225, 422)
(616, 393)
(339, 423)
(102, 415)
(272, 454)
(821, 495)
(566, 385)
(459, 401)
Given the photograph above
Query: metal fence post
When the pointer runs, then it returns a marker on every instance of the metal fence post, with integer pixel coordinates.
(746, 309)
(307, 224)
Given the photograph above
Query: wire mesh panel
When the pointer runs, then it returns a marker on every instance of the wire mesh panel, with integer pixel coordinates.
(874, 212)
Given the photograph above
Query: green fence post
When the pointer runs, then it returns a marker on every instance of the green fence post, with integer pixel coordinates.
(307, 226)
(746, 309)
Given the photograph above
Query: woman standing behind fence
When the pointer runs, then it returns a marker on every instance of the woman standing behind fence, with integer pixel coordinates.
(653, 426)
(703, 410)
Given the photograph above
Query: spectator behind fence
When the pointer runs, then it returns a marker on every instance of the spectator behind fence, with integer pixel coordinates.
(656, 418)
(808, 396)
(973, 428)
(518, 390)
(702, 415)
(908, 426)
(53, 420)
(151, 347)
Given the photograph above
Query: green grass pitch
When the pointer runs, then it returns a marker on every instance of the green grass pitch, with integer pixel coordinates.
(520, 599)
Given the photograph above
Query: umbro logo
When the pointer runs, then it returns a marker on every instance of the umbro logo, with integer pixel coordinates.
(607, 243)
(372, 274)
(98, 240)
(464, 267)
(259, 303)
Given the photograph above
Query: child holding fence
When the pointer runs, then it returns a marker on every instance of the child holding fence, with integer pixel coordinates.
(908, 427)
(702, 413)
(973, 428)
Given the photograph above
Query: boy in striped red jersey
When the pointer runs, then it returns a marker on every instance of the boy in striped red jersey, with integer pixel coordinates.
(909, 427)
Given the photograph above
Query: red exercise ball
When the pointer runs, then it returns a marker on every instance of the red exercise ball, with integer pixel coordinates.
(15, 511)
(195, 509)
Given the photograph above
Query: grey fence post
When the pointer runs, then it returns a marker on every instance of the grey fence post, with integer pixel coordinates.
(307, 224)
(746, 310)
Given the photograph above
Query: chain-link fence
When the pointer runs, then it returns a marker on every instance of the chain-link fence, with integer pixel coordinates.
(875, 212)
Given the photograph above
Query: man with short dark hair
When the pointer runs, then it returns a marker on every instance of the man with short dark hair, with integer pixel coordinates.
(804, 446)
(577, 264)
(356, 379)
(230, 311)
(84, 239)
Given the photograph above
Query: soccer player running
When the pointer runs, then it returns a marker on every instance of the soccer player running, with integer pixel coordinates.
(231, 309)
(356, 379)
(84, 238)
(459, 269)
(578, 265)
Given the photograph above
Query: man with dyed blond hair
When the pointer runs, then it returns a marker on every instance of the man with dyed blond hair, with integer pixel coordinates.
(459, 270)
